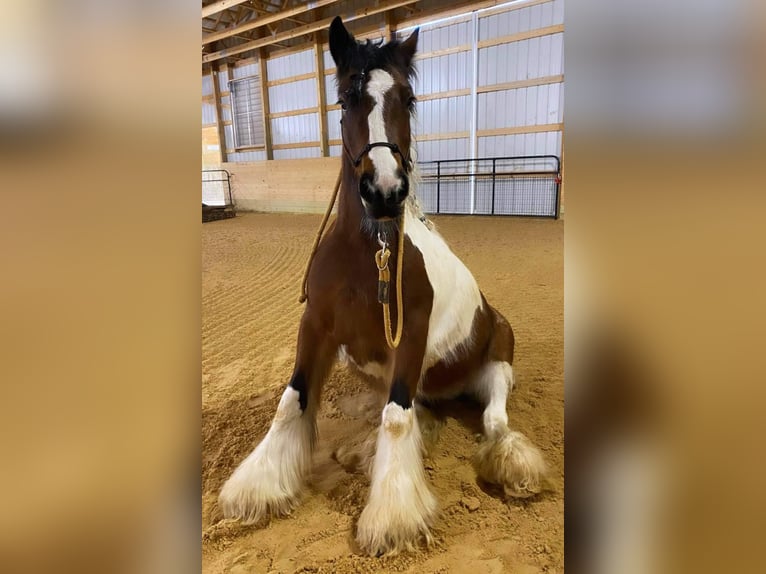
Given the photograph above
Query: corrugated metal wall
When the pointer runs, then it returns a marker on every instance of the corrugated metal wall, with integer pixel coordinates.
(466, 106)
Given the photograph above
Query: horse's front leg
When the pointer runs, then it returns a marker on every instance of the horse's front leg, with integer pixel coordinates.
(270, 479)
(400, 508)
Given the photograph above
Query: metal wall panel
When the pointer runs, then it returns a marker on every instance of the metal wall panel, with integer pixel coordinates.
(298, 153)
(293, 96)
(522, 20)
(247, 156)
(295, 129)
(228, 132)
(243, 71)
(208, 113)
(290, 65)
(207, 85)
(533, 58)
(443, 149)
(537, 105)
(333, 124)
(546, 143)
(445, 115)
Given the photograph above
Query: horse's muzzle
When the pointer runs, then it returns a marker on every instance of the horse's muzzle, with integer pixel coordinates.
(383, 203)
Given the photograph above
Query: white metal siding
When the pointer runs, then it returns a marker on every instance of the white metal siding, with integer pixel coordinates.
(295, 129)
(293, 96)
(290, 65)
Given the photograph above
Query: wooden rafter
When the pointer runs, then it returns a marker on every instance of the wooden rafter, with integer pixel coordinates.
(220, 6)
(308, 29)
(263, 12)
(258, 22)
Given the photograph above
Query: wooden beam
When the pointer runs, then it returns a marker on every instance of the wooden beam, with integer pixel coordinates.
(308, 29)
(491, 132)
(300, 112)
(296, 145)
(220, 6)
(517, 6)
(422, 17)
(321, 96)
(390, 26)
(443, 52)
(258, 22)
(442, 95)
(520, 130)
(290, 50)
(265, 105)
(522, 36)
(445, 136)
(218, 114)
(291, 79)
(493, 88)
(521, 84)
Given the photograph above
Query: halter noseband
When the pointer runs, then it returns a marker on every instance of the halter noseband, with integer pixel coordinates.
(367, 148)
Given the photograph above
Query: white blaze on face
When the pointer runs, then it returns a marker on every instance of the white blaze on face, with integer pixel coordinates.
(382, 157)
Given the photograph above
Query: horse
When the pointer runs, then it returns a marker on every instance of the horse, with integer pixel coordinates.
(452, 341)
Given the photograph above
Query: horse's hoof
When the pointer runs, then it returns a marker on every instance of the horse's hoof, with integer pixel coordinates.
(379, 535)
(403, 523)
(252, 503)
(514, 463)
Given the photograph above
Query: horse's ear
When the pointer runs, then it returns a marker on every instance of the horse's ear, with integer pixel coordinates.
(340, 42)
(408, 47)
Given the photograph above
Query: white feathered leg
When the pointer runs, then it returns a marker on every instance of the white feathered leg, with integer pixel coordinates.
(401, 508)
(270, 479)
(506, 457)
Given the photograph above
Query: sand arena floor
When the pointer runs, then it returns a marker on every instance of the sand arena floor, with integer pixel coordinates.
(251, 272)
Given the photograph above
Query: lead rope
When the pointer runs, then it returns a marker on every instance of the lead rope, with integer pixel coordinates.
(384, 279)
(304, 295)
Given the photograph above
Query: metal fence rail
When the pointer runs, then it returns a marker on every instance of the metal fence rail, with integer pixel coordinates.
(216, 187)
(523, 185)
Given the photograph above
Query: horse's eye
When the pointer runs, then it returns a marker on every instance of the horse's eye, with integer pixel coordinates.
(342, 104)
(411, 102)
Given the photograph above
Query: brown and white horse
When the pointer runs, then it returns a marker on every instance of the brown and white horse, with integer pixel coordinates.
(453, 341)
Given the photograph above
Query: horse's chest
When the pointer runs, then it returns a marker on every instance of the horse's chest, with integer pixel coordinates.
(456, 296)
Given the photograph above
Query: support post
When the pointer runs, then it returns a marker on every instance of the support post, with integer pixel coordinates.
(264, 77)
(218, 114)
(321, 96)
(474, 141)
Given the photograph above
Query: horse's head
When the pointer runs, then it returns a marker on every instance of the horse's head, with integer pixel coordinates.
(377, 101)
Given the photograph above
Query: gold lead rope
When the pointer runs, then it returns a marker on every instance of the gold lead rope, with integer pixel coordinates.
(384, 275)
(318, 238)
(384, 279)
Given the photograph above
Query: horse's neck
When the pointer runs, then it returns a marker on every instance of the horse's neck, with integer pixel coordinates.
(350, 210)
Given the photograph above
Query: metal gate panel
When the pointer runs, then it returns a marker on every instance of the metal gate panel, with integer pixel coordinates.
(522, 185)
